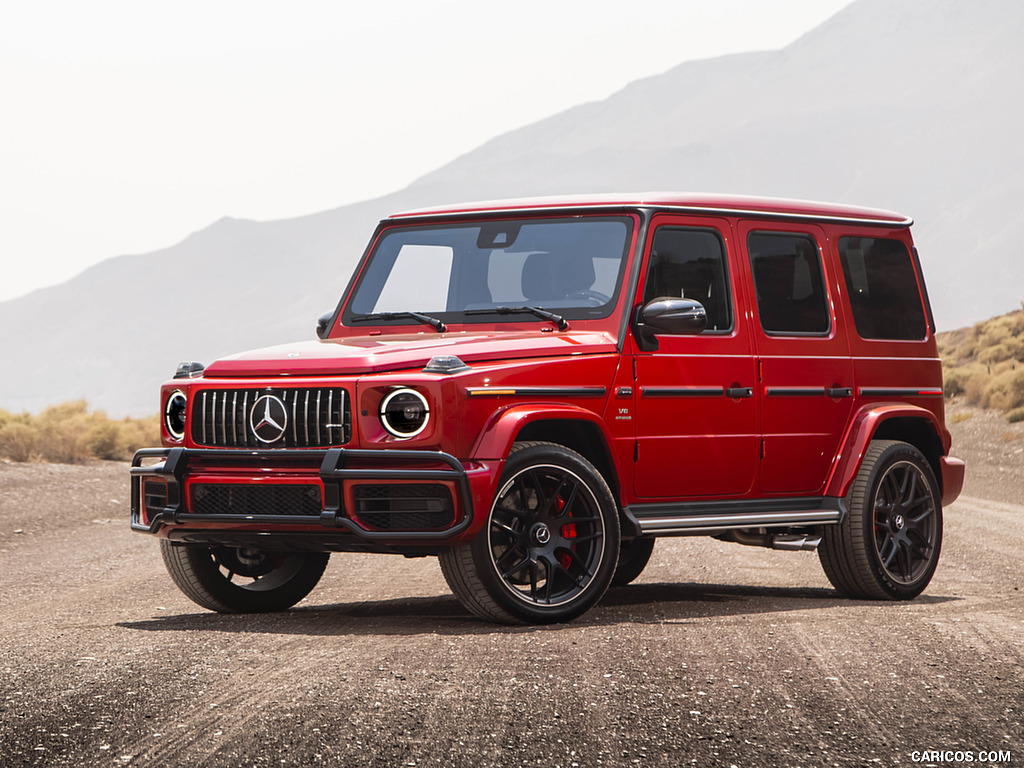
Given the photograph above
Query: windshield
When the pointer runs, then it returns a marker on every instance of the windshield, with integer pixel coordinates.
(457, 272)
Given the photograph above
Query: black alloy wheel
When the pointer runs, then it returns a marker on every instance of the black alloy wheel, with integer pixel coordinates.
(550, 545)
(888, 546)
(906, 522)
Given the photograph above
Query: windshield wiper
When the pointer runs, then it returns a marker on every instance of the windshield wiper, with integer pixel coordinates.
(433, 322)
(541, 313)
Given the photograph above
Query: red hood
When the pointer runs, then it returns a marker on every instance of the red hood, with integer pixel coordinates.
(366, 354)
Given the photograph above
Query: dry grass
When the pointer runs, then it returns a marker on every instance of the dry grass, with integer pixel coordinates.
(984, 364)
(69, 433)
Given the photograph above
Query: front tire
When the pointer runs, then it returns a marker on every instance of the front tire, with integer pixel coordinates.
(242, 580)
(549, 547)
(633, 558)
(887, 547)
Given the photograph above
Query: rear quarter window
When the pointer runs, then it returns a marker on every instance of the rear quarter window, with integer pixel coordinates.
(882, 283)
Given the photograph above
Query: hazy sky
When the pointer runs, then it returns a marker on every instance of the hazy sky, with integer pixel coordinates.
(126, 125)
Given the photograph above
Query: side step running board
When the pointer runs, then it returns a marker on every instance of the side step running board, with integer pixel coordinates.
(717, 523)
(710, 518)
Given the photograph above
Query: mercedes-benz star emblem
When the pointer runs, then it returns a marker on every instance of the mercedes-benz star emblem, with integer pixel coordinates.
(268, 419)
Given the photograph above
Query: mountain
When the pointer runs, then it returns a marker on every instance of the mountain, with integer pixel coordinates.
(902, 104)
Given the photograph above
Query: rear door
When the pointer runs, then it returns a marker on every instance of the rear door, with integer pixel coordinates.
(806, 382)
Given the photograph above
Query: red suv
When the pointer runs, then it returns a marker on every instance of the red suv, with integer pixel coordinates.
(534, 391)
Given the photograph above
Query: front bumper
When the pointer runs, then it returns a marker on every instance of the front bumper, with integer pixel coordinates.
(179, 470)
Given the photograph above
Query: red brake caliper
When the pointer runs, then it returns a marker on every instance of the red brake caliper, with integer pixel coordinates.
(568, 532)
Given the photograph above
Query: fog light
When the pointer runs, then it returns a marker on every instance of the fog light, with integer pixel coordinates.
(404, 413)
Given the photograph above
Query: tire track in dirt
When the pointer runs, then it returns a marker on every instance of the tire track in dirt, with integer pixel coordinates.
(257, 678)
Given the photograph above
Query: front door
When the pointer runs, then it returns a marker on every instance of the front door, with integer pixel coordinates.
(696, 413)
(806, 374)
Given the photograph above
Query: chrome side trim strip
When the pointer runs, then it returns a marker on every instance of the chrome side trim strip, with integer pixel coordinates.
(699, 524)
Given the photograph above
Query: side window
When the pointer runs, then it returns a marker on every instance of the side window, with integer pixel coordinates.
(788, 279)
(882, 284)
(690, 264)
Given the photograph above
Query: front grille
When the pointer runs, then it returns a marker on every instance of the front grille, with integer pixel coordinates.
(237, 499)
(404, 506)
(313, 418)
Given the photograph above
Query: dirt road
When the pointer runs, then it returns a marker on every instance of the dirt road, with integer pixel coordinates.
(718, 655)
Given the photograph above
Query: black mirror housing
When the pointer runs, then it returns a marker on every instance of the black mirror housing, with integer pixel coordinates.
(668, 315)
(323, 324)
(680, 317)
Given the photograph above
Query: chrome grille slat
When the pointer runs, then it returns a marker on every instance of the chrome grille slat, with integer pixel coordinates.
(221, 417)
(202, 417)
(224, 418)
(317, 431)
(295, 421)
(245, 416)
(305, 417)
(330, 414)
(213, 420)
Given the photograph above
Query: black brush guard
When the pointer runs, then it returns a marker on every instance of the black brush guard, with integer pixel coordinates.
(334, 469)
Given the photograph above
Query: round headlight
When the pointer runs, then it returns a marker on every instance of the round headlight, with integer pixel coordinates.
(174, 414)
(404, 413)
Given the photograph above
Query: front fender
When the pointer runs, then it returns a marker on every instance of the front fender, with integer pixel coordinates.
(500, 432)
(863, 429)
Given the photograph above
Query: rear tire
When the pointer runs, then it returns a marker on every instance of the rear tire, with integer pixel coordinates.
(888, 545)
(242, 580)
(549, 547)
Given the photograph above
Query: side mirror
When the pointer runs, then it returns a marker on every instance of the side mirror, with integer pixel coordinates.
(675, 316)
(678, 317)
(323, 324)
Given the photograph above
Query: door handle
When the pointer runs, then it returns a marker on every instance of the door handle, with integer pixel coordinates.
(739, 392)
(839, 392)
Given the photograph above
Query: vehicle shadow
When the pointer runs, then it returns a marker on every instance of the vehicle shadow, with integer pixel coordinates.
(444, 615)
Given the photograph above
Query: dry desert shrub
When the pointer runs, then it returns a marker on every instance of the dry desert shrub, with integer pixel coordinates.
(69, 433)
(985, 364)
(17, 441)
(1005, 391)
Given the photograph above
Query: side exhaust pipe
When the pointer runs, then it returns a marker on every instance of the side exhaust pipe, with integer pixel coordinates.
(793, 542)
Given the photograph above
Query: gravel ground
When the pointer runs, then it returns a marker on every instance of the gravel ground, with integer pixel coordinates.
(717, 655)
